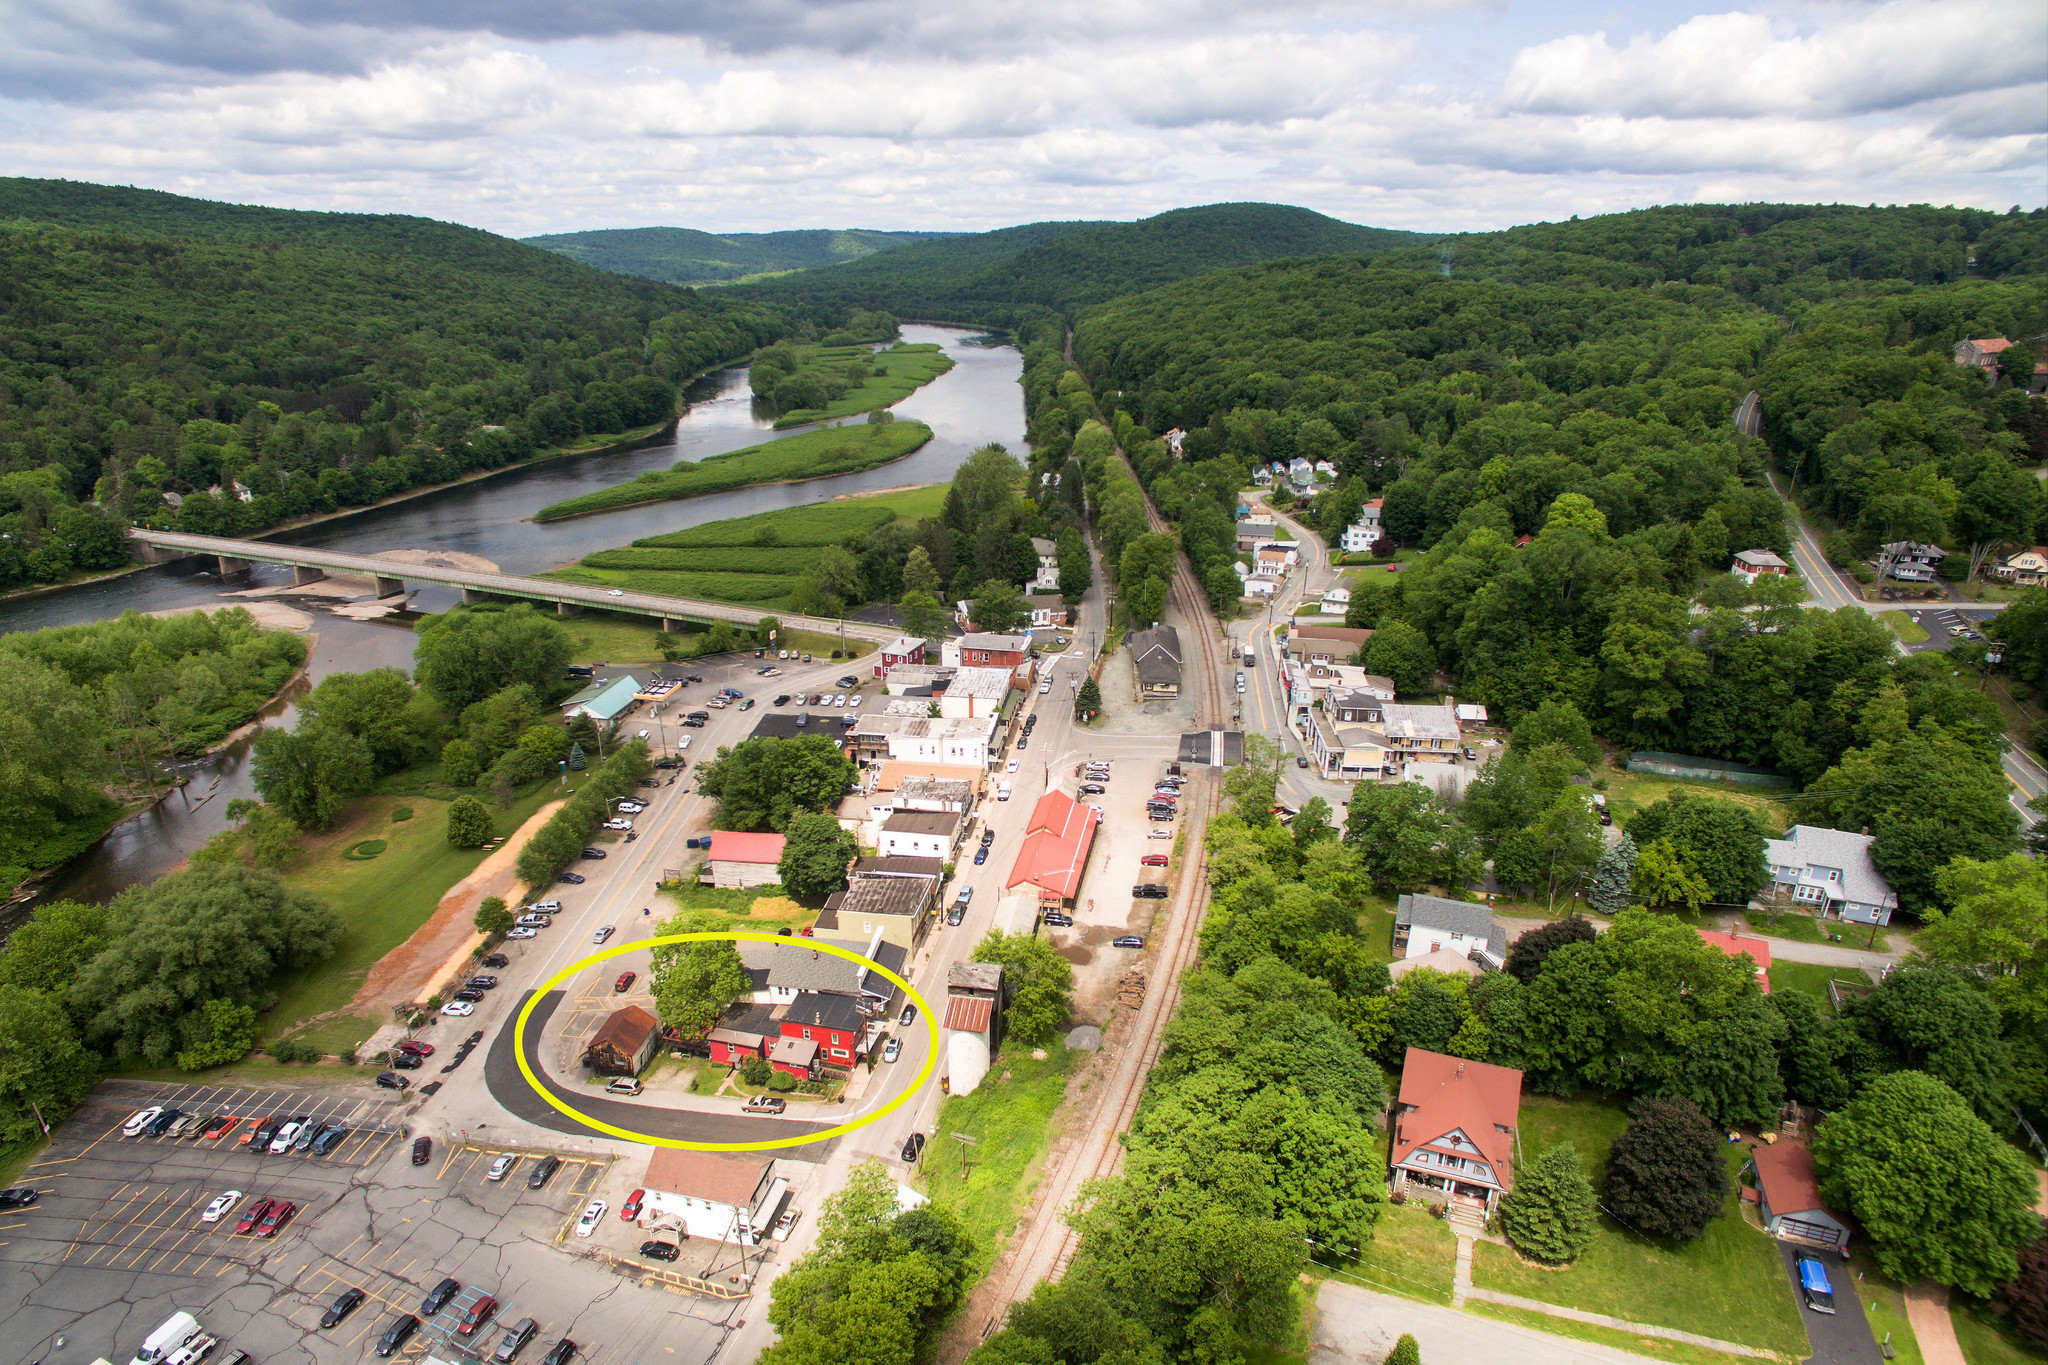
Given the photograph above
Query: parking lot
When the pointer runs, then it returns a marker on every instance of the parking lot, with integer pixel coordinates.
(1946, 627)
(116, 1243)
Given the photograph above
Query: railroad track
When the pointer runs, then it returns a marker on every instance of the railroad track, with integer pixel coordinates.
(1047, 1246)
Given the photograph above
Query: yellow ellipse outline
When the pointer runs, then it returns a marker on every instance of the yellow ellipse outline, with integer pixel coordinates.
(931, 1060)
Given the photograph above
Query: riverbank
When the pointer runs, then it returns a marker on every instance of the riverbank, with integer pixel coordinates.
(793, 459)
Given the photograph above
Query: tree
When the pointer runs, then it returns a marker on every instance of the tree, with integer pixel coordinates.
(225, 1034)
(469, 823)
(1934, 1020)
(1996, 927)
(694, 982)
(1406, 839)
(919, 575)
(1401, 652)
(1941, 1197)
(212, 932)
(1405, 1352)
(1613, 884)
(922, 615)
(1666, 1176)
(1312, 822)
(1037, 985)
(1664, 876)
(1556, 851)
(1528, 953)
(2025, 1297)
(380, 708)
(492, 916)
(766, 783)
(465, 655)
(1719, 840)
(766, 630)
(47, 952)
(1428, 1010)
(1557, 722)
(815, 855)
(1088, 700)
(43, 1067)
(1551, 1213)
(1068, 1320)
(311, 772)
(999, 608)
(1077, 569)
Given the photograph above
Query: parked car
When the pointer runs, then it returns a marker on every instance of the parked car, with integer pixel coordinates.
(329, 1139)
(479, 1313)
(766, 1104)
(516, 1337)
(592, 1213)
(981, 855)
(219, 1127)
(274, 1221)
(476, 983)
(786, 1224)
(543, 1170)
(161, 1124)
(283, 1141)
(253, 1215)
(624, 983)
(573, 878)
(559, 1353)
(632, 807)
(616, 824)
(458, 1009)
(1160, 834)
(497, 960)
(892, 1049)
(660, 1251)
(1154, 860)
(308, 1135)
(523, 931)
(913, 1146)
(1093, 789)
(218, 1209)
(592, 853)
(20, 1197)
(501, 1166)
(396, 1333)
(1059, 919)
(1150, 891)
(415, 1045)
(437, 1297)
(141, 1120)
(391, 1080)
(623, 1085)
(1814, 1287)
(988, 836)
(631, 1208)
(346, 1302)
(1128, 941)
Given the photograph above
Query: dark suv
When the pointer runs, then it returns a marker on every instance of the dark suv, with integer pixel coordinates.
(397, 1333)
(437, 1297)
(542, 1170)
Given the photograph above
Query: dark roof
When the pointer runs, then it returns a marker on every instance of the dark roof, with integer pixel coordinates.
(921, 822)
(812, 1010)
(923, 867)
(1438, 912)
(748, 1017)
(626, 1029)
(1160, 641)
(872, 895)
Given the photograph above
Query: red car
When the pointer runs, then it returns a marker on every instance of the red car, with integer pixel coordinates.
(279, 1215)
(479, 1313)
(417, 1049)
(631, 1210)
(253, 1215)
(1154, 860)
(624, 983)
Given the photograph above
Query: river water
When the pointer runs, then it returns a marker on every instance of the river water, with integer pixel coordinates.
(975, 402)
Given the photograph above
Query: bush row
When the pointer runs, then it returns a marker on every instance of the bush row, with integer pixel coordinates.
(562, 838)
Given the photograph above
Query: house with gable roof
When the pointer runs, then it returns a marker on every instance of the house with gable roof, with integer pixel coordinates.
(1830, 872)
(1457, 1129)
(1423, 924)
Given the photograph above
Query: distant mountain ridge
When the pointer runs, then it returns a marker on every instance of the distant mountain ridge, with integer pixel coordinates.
(687, 256)
(995, 276)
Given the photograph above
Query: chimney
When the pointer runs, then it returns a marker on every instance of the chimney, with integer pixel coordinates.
(1461, 1068)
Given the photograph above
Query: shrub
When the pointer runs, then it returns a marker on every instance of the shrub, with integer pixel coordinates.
(1551, 1214)
(1665, 1173)
(469, 823)
(1405, 1352)
(756, 1071)
(782, 1082)
(401, 815)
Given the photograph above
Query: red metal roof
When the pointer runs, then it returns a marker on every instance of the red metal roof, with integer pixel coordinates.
(730, 847)
(1451, 1093)
(1784, 1172)
(969, 1013)
(1056, 845)
(1759, 950)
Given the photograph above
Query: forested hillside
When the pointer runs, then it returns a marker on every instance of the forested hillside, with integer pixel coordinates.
(686, 256)
(153, 345)
(1001, 277)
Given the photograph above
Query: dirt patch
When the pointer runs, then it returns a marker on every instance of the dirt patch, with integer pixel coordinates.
(1077, 954)
(407, 972)
(439, 559)
(269, 615)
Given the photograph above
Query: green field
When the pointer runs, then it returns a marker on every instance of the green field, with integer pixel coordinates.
(806, 455)
(904, 369)
(1904, 626)
(1984, 1339)
(1729, 1284)
(753, 560)
(1412, 1253)
(1629, 792)
(1009, 1116)
(1812, 978)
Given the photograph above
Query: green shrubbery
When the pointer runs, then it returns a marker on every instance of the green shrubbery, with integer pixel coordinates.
(557, 843)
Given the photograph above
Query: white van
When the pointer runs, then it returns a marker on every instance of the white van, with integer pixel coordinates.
(1002, 791)
(178, 1329)
(684, 743)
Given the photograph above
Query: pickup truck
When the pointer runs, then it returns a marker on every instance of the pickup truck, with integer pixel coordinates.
(766, 1104)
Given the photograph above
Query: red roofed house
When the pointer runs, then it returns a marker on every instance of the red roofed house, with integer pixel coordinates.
(1056, 845)
(1758, 950)
(1456, 1128)
(1788, 1196)
(743, 859)
(1980, 352)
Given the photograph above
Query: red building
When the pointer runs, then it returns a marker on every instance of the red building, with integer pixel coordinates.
(983, 650)
(1055, 850)
(833, 1022)
(797, 1056)
(899, 652)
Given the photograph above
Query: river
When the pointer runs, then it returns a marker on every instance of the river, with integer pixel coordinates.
(977, 401)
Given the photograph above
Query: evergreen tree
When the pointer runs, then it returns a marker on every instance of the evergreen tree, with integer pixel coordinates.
(1405, 1352)
(1088, 701)
(1551, 1214)
(1528, 953)
(577, 762)
(1609, 891)
(1665, 1173)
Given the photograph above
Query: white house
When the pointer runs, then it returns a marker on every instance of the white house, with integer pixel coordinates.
(1326, 471)
(920, 834)
(1048, 579)
(961, 741)
(1336, 601)
(1360, 535)
(2028, 568)
(712, 1196)
(1423, 924)
(1754, 564)
(1830, 870)
(1301, 474)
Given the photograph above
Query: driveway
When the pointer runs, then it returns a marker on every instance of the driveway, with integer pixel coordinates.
(1840, 1338)
(1356, 1326)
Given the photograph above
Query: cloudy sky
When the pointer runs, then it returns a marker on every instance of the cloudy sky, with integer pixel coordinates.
(528, 116)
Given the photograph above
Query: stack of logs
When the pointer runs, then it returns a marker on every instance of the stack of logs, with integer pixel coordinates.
(1130, 988)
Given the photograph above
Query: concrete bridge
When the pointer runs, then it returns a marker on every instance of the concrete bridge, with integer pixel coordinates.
(309, 565)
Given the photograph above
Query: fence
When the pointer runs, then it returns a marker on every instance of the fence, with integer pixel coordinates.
(1702, 769)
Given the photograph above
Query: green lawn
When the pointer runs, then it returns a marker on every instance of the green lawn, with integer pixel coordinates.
(1812, 978)
(603, 638)
(762, 909)
(905, 368)
(1376, 922)
(1984, 1338)
(1904, 626)
(1792, 924)
(1010, 1118)
(1656, 1348)
(1729, 1284)
(1884, 1303)
(1411, 1253)
(383, 899)
(806, 455)
(1629, 792)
